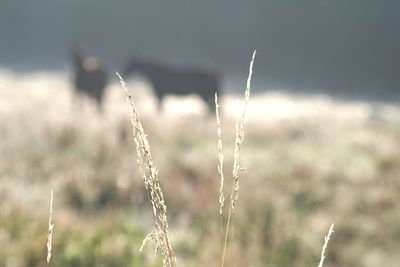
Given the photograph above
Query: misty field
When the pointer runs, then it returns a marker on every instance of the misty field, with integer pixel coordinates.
(309, 161)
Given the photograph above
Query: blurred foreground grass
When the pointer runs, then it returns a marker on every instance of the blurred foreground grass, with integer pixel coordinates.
(309, 162)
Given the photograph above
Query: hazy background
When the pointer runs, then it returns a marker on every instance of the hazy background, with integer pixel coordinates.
(344, 48)
(310, 159)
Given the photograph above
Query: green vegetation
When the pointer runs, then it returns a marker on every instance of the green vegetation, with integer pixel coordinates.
(301, 175)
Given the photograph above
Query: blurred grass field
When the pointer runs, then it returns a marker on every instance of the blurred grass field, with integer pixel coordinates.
(309, 161)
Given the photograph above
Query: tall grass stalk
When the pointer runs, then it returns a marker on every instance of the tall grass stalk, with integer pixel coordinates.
(240, 126)
(51, 228)
(220, 157)
(150, 176)
(220, 166)
(327, 238)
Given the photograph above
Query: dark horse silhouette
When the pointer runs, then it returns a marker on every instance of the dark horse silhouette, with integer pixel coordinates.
(167, 80)
(90, 76)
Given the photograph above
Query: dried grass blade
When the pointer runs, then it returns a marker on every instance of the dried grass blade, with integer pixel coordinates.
(240, 126)
(220, 157)
(151, 181)
(327, 238)
(51, 228)
(236, 165)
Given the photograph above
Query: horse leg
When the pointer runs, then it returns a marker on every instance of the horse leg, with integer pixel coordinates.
(99, 104)
(210, 102)
(159, 98)
(77, 101)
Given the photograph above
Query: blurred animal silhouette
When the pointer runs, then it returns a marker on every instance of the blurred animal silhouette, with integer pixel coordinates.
(167, 80)
(90, 76)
